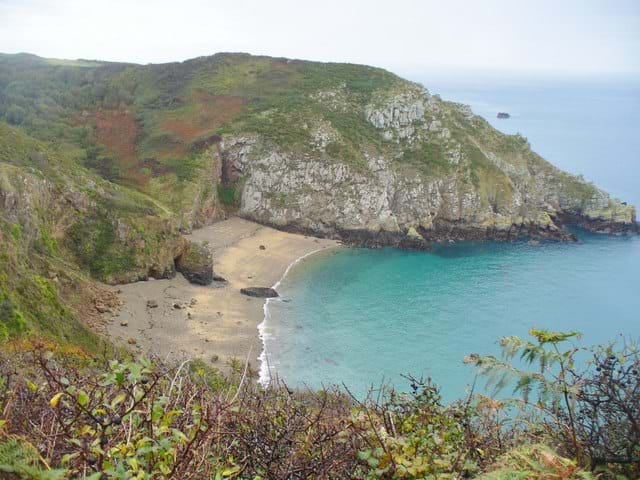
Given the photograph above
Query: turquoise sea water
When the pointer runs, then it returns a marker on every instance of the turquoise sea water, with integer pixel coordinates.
(359, 317)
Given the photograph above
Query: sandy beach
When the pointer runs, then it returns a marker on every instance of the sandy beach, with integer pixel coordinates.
(215, 323)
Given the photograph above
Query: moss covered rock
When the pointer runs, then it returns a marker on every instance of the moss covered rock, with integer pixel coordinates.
(196, 263)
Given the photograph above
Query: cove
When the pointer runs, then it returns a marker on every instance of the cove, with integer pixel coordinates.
(360, 317)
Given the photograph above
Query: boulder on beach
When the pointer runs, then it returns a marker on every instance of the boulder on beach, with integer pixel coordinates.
(196, 264)
(260, 292)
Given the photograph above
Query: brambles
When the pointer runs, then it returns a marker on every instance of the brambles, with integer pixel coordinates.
(422, 438)
(146, 420)
(65, 417)
(592, 411)
(608, 408)
(112, 422)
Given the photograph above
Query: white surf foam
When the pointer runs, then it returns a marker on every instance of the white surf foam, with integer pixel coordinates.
(264, 377)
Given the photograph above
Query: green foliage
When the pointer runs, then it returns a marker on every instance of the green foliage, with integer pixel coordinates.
(184, 167)
(428, 158)
(31, 304)
(153, 448)
(18, 457)
(229, 195)
(12, 322)
(535, 461)
(545, 336)
(501, 373)
(355, 135)
(98, 160)
(427, 440)
(98, 248)
(118, 436)
(361, 82)
(279, 127)
(242, 74)
(576, 188)
(40, 95)
(513, 143)
(15, 230)
(46, 244)
(592, 410)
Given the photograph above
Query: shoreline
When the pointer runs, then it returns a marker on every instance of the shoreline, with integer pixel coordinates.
(173, 319)
(264, 372)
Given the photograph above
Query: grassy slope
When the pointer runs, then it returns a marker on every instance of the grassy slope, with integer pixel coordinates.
(149, 127)
(146, 126)
(60, 225)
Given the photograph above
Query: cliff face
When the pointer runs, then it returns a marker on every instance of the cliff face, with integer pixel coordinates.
(61, 226)
(117, 234)
(442, 174)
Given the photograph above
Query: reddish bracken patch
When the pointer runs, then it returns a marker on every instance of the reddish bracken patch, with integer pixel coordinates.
(117, 130)
(208, 113)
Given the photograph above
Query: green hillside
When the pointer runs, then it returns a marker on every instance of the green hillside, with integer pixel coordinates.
(105, 166)
(158, 129)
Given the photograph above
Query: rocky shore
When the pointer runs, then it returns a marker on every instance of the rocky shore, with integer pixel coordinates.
(451, 232)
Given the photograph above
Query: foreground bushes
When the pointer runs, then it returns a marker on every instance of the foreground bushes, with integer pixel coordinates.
(592, 411)
(67, 417)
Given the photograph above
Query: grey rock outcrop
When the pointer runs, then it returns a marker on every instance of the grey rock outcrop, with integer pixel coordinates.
(196, 264)
(259, 292)
(434, 185)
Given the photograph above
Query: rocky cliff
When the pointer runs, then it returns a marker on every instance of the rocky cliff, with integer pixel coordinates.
(117, 234)
(60, 226)
(440, 174)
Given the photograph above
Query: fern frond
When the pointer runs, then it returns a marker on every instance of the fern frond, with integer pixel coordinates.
(22, 459)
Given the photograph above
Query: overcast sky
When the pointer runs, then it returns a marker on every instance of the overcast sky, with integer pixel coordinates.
(563, 36)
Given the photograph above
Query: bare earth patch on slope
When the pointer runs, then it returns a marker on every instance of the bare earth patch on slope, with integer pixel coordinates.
(205, 114)
(118, 131)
